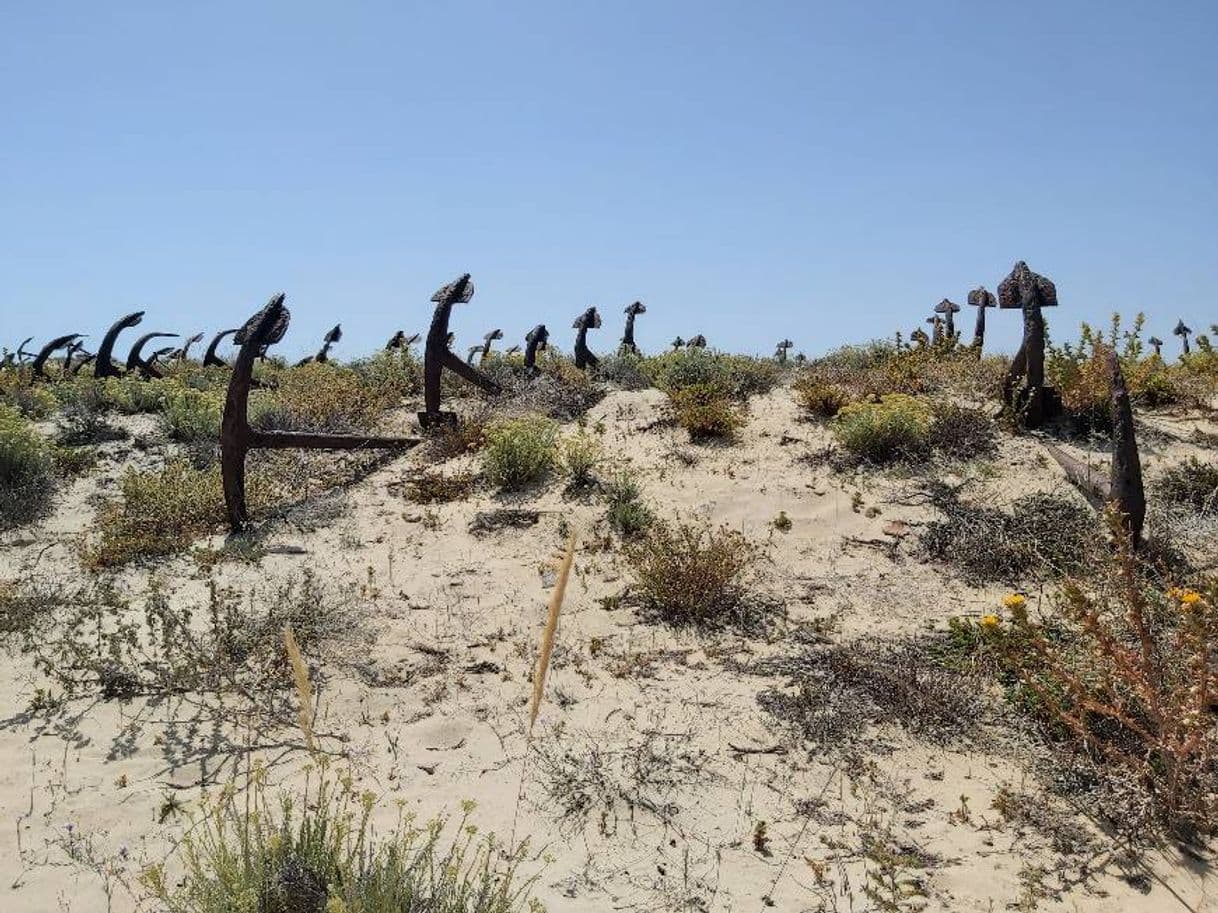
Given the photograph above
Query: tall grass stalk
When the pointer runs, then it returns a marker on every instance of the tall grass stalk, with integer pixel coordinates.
(304, 689)
(539, 673)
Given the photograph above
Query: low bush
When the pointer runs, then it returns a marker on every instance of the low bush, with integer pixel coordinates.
(624, 371)
(1132, 682)
(392, 375)
(192, 416)
(689, 574)
(706, 411)
(318, 853)
(323, 397)
(581, 454)
(895, 428)
(1039, 536)
(961, 433)
(160, 512)
(626, 512)
(1192, 484)
(35, 402)
(818, 397)
(132, 396)
(738, 376)
(82, 418)
(520, 451)
(27, 470)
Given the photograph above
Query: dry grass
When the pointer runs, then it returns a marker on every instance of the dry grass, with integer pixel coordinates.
(546, 649)
(695, 574)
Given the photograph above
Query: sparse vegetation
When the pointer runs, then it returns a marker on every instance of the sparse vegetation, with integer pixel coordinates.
(437, 487)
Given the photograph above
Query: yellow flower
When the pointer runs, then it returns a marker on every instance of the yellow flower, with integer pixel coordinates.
(990, 622)
(1190, 597)
(1014, 601)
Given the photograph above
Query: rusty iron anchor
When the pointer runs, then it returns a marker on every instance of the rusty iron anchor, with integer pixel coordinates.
(438, 356)
(237, 438)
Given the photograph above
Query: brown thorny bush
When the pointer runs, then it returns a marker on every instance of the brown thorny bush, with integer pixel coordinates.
(693, 574)
(1132, 680)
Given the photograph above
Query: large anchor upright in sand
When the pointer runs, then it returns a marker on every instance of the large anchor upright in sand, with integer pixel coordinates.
(237, 438)
(438, 356)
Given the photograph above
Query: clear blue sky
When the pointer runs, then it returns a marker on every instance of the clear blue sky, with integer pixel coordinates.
(749, 170)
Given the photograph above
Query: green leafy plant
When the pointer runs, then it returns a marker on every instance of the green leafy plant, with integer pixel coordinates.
(520, 451)
(706, 411)
(27, 469)
(895, 428)
(627, 514)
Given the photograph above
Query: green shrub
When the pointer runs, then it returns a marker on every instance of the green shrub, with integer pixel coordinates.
(323, 397)
(738, 376)
(1191, 483)
(625, 371)
(192, 417)
(33, 402)
(392, 375)
(895, 428)
(27, 469)
(581, 454)
(131, 395)
(691, 574)
(161, 511)
(705, 411)
(818, 397)
(520, 451)
(82, 419)
(627, 514)
(318, 853)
